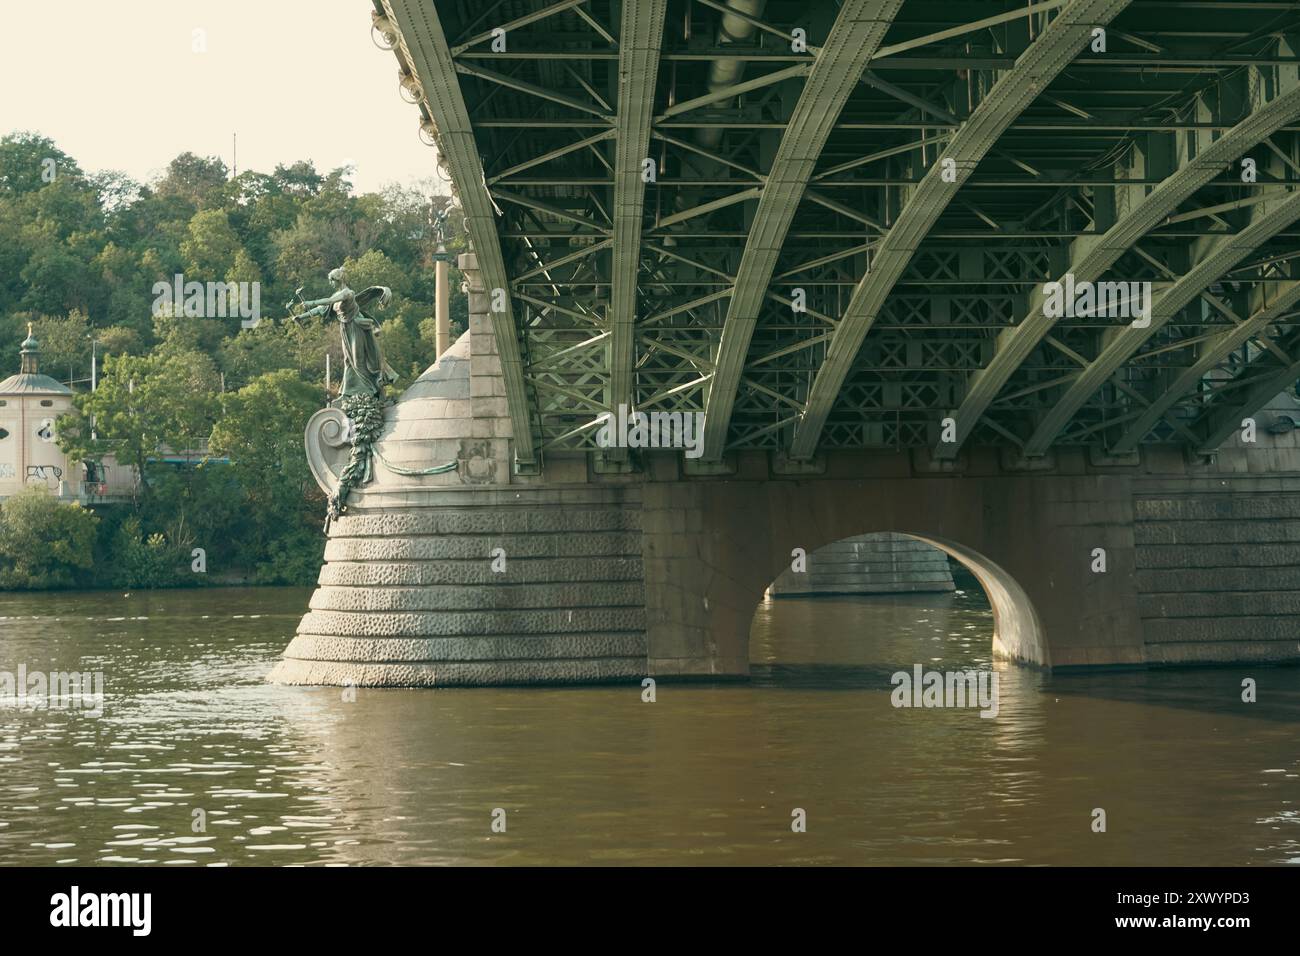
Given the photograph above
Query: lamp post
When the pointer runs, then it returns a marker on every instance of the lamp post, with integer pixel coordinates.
(442, 301)
(94, 376)
(441, 294)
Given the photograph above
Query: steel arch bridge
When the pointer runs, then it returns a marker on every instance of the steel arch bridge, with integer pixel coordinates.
(832, 223)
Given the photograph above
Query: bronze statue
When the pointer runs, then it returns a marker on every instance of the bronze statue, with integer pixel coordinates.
(440, 226)
(365, 376)
(364, 370)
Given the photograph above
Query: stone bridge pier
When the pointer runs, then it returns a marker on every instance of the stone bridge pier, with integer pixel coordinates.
(1163, 563)
(480, 575)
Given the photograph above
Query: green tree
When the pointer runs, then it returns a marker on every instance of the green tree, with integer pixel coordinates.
(142, 560)
(118, 339)
(375, 268)
(143, 405)
(260, 429)
(200, 181)
(44, 543)
(55, 280)
(256, 351)
(22, 162)
(210, 246)
(81, 255)
(65, 344)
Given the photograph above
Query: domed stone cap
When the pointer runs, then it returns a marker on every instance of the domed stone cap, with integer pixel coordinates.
(429, 423)
(27, 384)
(446, 378)
(423, 427)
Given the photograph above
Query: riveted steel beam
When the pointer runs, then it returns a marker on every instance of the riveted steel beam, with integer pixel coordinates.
(858, 31)
(1269, 303)
(972, 27)
(641, 33)
(1058, 44)
(516, 24)
(532, 89)
(1211, 258)
(1091, 256)
(424, 45)
(1221, 421)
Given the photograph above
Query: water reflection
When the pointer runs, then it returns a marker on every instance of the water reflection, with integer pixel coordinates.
(708, 774)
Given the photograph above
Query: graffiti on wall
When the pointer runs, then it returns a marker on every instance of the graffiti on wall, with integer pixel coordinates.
(44, 472)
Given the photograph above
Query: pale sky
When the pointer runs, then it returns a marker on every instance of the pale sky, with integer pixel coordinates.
(116, 84)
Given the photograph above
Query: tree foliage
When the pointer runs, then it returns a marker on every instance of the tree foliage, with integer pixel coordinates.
(79, 258)
(44, 543)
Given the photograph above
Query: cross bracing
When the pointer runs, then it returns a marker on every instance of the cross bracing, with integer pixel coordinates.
(742, 208)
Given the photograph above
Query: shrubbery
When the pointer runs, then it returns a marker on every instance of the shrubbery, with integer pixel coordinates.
(45, 543)
(140, 561)
(79, 258)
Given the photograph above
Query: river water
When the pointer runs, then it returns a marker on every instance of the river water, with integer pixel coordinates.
(195, 760)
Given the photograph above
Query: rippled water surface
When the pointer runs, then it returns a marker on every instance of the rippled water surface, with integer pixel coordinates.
(707, 774)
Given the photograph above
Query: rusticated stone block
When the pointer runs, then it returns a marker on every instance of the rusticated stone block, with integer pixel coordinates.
(1234, 507)
(501, 520)
(461, 673)
(1227, 630)
(472, 546)
(1194, 652)
(1250, 531)
(458, 597)
(1217, 556)
(505, 648)
(471, 623)
(478, 571)
(1180, 580)
(1219, 604)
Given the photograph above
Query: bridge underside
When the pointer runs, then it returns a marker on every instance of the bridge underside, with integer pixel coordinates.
(480, 576)
(834, 229)
(831, 225)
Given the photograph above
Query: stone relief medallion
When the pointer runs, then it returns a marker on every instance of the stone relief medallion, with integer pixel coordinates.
(479, 466)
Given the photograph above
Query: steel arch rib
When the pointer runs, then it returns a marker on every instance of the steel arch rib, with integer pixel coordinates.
(1220, 423)
(1095, 255)
(641, 35)
(424, 44)
(1219, 254)
(858, 31)
(1055, 47)
(1273, 302)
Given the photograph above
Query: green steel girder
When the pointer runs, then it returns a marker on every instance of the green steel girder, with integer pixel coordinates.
(1091, 257)
(642, 30)
(1211, 259)
(1269, 303)
(1255, 386)
(1058, 44)
(857, 32)
(920, 371)
(424, 46)
(679, 293)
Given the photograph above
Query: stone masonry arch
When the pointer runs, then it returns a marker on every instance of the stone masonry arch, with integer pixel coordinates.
(1017, 632)
(1029, 541)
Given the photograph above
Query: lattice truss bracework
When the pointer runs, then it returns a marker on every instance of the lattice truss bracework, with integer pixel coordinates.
(1190, 206)
(829, 224)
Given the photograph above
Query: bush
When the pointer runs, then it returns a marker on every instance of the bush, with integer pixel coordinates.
(293, 558)
(140, 562)
(44, 543)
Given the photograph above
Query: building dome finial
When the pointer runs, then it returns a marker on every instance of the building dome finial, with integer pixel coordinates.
(29, 352)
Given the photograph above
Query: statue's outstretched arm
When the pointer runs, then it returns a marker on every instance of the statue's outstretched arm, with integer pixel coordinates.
(336, 297)
(319, 310)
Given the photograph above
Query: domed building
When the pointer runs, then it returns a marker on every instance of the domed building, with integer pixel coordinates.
(30, 405)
